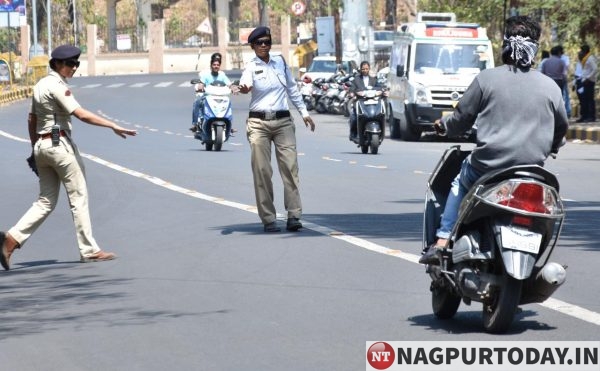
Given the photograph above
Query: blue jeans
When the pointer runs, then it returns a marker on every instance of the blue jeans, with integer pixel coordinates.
(567, 99)
(460, 187)
(197, 108)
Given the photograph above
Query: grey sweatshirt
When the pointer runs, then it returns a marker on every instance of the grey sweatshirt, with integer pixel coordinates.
(520, 117)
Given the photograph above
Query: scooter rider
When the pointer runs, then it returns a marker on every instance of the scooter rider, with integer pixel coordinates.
(207, 78)
(360, 83)
(520, 117)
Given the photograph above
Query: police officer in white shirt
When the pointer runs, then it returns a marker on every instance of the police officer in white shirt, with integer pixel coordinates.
(270, 81)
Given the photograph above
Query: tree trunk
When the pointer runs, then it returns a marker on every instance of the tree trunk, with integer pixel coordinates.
(263, 10)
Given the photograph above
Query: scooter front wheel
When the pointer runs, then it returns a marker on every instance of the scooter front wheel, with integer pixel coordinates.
(219, 134)
(374, 143)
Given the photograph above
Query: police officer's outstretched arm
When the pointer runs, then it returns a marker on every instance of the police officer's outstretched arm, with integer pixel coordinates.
(93, 119)
(296, 98)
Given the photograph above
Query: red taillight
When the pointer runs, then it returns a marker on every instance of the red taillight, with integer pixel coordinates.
(527, 197)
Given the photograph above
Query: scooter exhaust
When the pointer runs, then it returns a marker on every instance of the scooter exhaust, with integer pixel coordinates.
(548, 279)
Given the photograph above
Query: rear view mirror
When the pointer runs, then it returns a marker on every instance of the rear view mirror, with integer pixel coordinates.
(400, 70)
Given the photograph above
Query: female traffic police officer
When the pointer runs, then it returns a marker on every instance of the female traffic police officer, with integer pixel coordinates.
(57, 158)
(271, 82)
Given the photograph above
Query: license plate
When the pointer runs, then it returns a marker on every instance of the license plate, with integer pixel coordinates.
(368, 102)
(520, 239)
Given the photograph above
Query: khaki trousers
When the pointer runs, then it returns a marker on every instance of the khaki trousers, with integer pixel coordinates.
(56, 165)
(282, 133)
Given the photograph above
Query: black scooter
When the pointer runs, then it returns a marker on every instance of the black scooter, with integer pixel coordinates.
(499, 250)
(370, 119)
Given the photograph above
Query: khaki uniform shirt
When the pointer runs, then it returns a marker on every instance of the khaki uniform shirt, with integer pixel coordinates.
(53, 99)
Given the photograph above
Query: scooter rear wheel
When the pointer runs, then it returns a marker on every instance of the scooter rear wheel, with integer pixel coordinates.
(498, 313)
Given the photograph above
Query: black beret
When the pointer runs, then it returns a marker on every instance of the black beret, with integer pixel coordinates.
(64, 52)
(259, 32)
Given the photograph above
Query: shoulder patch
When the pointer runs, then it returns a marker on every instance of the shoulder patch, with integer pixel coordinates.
(67, 93)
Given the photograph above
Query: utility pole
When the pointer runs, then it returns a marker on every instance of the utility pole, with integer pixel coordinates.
(34, 19)
(49, 16)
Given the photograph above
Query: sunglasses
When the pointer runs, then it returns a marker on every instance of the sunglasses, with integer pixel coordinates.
(265, 42)
(72, 63)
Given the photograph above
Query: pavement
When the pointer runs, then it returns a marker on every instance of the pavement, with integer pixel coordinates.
(584, 131)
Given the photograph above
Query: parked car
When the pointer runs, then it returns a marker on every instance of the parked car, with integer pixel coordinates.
(325, 67)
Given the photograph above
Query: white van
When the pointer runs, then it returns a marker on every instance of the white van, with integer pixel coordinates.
(433, 62)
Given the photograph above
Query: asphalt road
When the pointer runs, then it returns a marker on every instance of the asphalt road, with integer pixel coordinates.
(199, 286)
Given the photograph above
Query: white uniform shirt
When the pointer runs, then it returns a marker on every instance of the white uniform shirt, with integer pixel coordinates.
(590, 69)
(272, 83)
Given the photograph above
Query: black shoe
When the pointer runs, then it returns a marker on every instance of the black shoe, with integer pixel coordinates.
(293, 224)
(272, 227)
(193, 129)
(580, 120)
(432, 256)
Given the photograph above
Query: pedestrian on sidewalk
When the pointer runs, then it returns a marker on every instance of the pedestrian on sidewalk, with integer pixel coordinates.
(554, 67)
(588, 83)
(57, 158)
(565, 89)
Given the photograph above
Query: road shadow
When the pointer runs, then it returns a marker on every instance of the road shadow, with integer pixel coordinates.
(470, 322)
(47, 295)
(580, 227)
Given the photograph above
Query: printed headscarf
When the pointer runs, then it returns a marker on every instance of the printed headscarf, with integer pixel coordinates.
(522, 50)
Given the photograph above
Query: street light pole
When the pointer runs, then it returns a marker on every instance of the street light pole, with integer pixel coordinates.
(34, 19)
